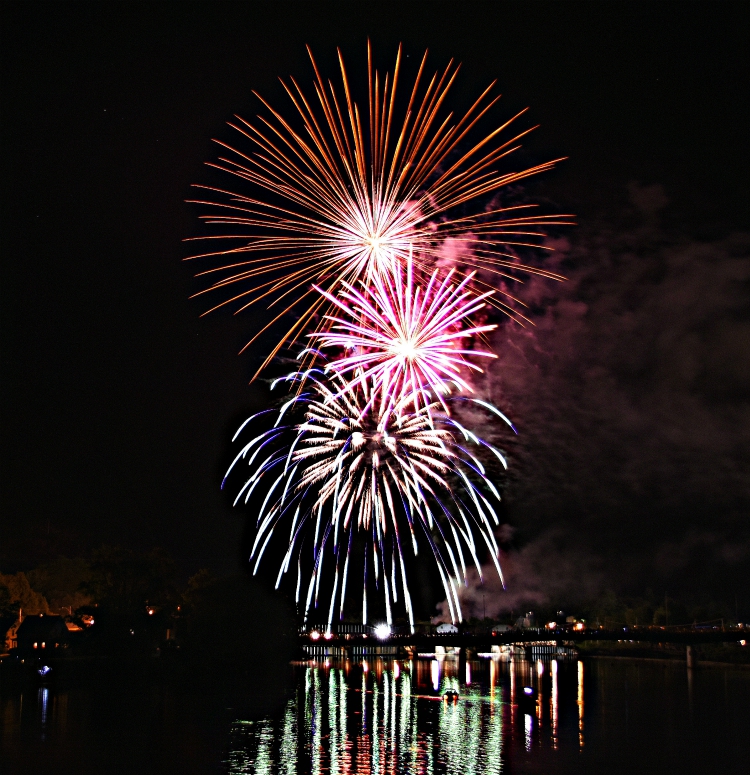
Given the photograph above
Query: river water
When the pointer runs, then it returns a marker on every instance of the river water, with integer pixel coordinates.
(385, 716)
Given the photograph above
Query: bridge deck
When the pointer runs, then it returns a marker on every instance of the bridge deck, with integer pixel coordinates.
(561, 637)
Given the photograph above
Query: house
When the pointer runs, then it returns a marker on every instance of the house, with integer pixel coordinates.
(41, 634)
(8, 627)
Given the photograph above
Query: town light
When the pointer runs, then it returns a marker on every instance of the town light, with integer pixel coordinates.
(314, 635)
(383, 631)
(551, 625)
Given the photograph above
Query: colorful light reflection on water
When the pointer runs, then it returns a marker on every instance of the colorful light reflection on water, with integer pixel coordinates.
(385, 716)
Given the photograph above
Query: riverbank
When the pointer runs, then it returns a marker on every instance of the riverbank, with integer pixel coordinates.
(270, 679)
(719, 654)
(671, 662)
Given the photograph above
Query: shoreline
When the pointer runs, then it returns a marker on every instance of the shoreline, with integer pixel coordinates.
(668, 661)
(672, 661)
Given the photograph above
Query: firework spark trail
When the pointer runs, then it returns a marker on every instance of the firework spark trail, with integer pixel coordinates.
(344, 221)
(344, 196)
(399, 479)
(402, 337)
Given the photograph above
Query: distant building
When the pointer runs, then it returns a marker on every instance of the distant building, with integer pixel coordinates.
(41, 634)
(446, 628)
(8, 627)
(501, 628)
(527, 621)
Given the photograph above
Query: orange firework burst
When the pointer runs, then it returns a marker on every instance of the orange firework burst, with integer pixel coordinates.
(345, 195)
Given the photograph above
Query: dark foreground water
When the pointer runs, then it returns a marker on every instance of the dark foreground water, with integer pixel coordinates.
(385, 716)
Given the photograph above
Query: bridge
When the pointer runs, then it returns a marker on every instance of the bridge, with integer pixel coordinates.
(471, 643)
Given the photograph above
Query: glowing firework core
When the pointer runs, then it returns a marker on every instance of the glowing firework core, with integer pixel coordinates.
(406, 350)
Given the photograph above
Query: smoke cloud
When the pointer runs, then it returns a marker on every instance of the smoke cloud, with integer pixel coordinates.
(630, 395)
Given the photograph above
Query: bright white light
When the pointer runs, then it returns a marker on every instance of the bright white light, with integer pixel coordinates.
(314, 635)
(383, 631)
(374, 242)
(404, 348)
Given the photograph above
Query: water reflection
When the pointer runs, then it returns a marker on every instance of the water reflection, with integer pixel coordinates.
(636, 717)
(43, 700)
(554, 702)
(528, 723)
(580, 704)
(386, 716)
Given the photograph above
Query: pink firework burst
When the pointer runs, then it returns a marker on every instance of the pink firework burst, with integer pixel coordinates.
(404, 339)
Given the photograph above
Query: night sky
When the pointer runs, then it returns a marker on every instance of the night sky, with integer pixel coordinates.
(631, 394)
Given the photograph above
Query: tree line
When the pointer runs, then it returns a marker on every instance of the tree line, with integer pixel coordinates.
(122, 601)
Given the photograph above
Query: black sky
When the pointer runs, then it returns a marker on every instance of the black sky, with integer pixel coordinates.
(118, 401)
